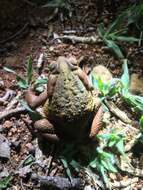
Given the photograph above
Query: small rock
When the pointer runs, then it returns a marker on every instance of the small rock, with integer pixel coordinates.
(23, 172)
(102, 72)
(4, 173)
(1, 83)
(136, 84)
(1, 128)
(4, 147)
(88, 187)
(31, 148)
(7, 124)
(16, 144)
(51, 48)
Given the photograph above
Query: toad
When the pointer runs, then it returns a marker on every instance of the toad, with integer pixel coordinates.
(70, 105)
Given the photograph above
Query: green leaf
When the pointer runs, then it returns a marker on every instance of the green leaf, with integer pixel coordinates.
(125, 76)
(141, 122)
(101, 30)
(104, 175)
(40, 89)
(9, 70)
(126, 39)
(117, 23)
(39, 84)
(5, 182)
(112, 143)
(26, 106)
(22, 83)
(29, 70)
(120, 146)
(111, 167)
(41, 81)
(104, 164)
(75, 165)
(33, 114)
(104, 136)
(93, 163)
(29, 160)
(133, 100)
(115, 48)
(56, 4)
(93, 80)
(65, 164)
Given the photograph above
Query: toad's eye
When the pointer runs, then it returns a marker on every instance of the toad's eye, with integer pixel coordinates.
(52, 67)
(73, 61)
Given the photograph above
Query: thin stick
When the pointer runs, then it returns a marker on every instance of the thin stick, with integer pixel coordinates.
(117, 112)
(59, 182)
(78, 39)
(8, 113)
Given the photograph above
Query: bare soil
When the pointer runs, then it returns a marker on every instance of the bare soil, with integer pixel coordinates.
(38, 37)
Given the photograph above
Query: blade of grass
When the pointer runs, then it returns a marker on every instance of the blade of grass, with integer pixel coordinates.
(117, 23)
(29, 69)
(115, 48)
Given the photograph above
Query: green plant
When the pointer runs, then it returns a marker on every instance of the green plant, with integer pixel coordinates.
(135, 16)
(135, 101)
(115, 33)
(115, 138)
(66, 166)
(103, 162)
(141, 123)
(106, 89)
(5, 182)
(57, 3)
(25, 82)
(118, 86)
(103, 159)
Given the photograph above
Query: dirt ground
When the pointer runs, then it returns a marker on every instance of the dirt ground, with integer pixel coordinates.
(26, 30)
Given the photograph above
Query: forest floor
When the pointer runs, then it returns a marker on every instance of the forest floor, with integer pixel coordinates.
(20, 156)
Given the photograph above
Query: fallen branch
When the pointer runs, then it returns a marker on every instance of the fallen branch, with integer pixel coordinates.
(9, 93)
(117, 112)
(78, 39)
(131, 170)
(8, 113)
(124, 183)
(132, 142)
(59, 182)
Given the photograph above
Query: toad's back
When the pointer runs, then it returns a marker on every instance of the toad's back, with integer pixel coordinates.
(71, 105)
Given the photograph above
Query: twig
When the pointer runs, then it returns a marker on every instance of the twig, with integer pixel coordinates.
(132, 142)
(15, 35)
(9, 93)
(40, 63)
(21, 183)
(78, 39)
(59, 182)
(117, 112)
(8, 113)
(131, 170)
(12, 104)
(124, 183)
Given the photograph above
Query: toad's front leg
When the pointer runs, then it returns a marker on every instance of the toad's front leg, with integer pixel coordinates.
(44, 128)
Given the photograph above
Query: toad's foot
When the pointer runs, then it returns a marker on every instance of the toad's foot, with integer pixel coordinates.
(46, 130)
